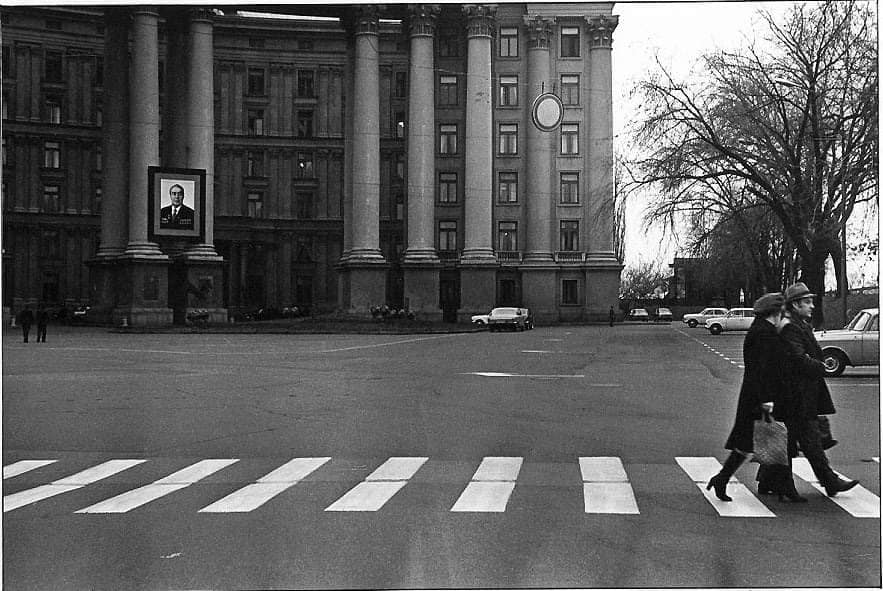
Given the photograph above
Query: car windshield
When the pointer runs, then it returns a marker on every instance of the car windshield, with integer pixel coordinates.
(860, 322)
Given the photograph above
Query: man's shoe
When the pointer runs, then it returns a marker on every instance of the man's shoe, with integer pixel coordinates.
(839, 485)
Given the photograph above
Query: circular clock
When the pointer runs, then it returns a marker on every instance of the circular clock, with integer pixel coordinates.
(547, 111)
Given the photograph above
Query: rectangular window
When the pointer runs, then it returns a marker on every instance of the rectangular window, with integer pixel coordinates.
(569, 41)
(7, 62)
(53, 67)
(99, 158)
(256, 82)
(569, 291)
(51, 247)
(306, 84)
(507, 236)
(398, 169)
(255, 43)
(569, 187)
(51, 199)
(447, 187)
(96, 203)
(570, 138)
(570, 89)
(569, 235)
(305, 124)
(304, 204)
(447, 90)
(4, 108)
(254, 163)
(508, 138)
(509, 42)
(99, 116)
(447, 139)
(255, 204)
(53, 110)
(98, 74)
(255, 122)
(508, 91)
(508, 192)
(447, 236)
(305, 165)
(448, 46)
(51, 155)
(5, 154)
(399, 117)
(400, 90)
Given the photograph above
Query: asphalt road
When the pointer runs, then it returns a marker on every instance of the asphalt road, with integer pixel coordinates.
(558, 457)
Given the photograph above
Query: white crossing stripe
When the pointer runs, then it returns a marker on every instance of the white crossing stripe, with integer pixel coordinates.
(606, 488)
(73, 482)
(141, 496)
(23, 466)
(876, 459)
(490, 487)
(744, 503)
(858, 501)
(379, 486)
(265, 488)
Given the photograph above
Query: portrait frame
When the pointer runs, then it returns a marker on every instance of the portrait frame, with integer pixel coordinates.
(159, 181)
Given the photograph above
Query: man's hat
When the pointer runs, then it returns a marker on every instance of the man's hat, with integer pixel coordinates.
(768, 303)
(797, 291)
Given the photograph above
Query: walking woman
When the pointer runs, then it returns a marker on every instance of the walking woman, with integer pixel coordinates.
(762, 390)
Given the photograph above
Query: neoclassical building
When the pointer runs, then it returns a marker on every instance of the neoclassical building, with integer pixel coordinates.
(341, 157)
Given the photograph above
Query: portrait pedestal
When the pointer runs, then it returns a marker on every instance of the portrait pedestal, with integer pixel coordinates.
(422, 290)
(142, 291)
(478, 290)
(362, 285)
(539, 292)
(196, 283)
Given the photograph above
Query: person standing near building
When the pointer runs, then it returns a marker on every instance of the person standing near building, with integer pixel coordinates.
(25, 319)
(612, 316)
(806, 387)
(42, 321)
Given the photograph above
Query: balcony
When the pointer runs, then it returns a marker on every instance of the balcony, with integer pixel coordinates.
(509, 257)
(568, 257)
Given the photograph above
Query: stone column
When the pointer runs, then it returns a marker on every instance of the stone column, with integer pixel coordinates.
(478, 263)
(421, 264)
(602, 267)
(540, 145)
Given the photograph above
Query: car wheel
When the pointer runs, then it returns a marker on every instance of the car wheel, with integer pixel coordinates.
(835, 363)
(479, 322)
(715, 329)
(692, 323)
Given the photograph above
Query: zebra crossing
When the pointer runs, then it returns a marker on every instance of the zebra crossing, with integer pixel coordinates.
(606, 488)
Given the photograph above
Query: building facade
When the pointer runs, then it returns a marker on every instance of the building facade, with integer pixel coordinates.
(353, 156)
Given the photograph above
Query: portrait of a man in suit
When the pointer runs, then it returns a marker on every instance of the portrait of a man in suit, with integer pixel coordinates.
(176, 215)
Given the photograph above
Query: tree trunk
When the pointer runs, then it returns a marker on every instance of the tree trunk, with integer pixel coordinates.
(812, 273)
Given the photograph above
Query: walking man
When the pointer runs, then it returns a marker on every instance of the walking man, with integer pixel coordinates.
(612, 315)
(42, 321)
(25, 318)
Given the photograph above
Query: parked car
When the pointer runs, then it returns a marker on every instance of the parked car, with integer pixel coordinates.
(735, 319)
(513, 318)
(858, 343)
(638, 314)
(480, 318)
(663, 314)
(528, 318)
(694, 320)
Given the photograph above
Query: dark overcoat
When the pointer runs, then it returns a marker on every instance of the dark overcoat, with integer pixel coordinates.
(764, 355)
(807, 392)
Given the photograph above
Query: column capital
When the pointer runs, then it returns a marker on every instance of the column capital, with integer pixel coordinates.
(539, 32)
(201, 14)
(145, 10)
(601, 31)
(363, 20)
(481, 19)
(421, 19)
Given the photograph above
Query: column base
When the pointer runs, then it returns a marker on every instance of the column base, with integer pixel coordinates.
(478, 256)
(539, 293)
(602, 289)
(144, 250)
(420, 256)
(196, 287)
(478, 290)
(538, 257)
(142, 290)
(361, 285)
(422, 289)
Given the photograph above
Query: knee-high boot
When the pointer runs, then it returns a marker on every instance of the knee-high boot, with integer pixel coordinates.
(720, 480)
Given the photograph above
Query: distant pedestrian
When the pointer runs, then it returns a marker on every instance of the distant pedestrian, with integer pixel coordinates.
(612, 315)
(25, 319)
(42, 320)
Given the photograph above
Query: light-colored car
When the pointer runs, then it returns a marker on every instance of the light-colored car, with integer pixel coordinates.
(638, 314)
(858, 343)
(694, 320)
(663, 314)
(480, 318)
(735, 319)
(514, 318)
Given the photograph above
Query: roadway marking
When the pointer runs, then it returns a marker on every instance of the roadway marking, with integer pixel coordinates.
(24, 466)
(390, 343)
(858, 501)
(120, 350)
(744, 504)
(265, 488)
(532, 351)
(490, 487)
(496, 374)
(141, 496)
(715, 351)
(379, 486)
(73, 482)
(606, 488)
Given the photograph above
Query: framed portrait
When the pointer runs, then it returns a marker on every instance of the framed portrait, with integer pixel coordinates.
(176, 203)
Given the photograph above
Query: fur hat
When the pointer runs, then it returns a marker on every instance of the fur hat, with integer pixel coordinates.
(797, 291)
(768, 303)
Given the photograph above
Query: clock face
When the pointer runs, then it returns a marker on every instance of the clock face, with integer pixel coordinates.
(547, 112)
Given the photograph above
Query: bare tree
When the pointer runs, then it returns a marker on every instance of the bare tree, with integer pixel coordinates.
(793, 128)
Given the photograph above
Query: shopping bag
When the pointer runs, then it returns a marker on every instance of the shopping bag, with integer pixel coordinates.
(770, 441)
